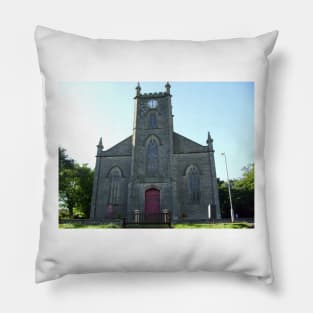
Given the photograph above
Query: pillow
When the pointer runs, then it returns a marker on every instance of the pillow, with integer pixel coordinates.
(154, 193)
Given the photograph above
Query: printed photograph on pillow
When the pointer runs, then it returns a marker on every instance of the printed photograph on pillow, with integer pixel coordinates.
(155, 154)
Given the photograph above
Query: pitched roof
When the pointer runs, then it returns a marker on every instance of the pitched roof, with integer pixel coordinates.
(122, 148)
(185, 145)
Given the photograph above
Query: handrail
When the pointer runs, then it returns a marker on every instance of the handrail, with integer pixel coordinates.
(138, 217)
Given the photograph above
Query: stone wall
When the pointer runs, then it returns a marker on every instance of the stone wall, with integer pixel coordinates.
(104, 183)
(185, 205)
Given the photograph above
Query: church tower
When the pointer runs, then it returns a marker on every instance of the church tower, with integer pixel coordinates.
(150, 184)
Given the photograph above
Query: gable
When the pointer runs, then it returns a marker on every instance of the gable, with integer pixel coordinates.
(121, 149)
(185, 145)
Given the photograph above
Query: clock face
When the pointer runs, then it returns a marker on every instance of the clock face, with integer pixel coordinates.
(152, 103)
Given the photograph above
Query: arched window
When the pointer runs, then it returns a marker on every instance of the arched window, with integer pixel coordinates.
(152, 103)
(193, 181)
(152, 120)
(115, 176)
(152, 157)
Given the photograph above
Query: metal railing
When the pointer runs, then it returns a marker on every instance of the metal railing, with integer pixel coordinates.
(139, 218)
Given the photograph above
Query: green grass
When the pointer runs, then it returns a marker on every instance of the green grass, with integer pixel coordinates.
(71, 226)
(177, 226)
(215, 226)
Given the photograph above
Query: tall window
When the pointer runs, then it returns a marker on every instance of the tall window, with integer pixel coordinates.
(193, 181)
(152, 122)
(152, 157)
(152, 103)
(115, 176)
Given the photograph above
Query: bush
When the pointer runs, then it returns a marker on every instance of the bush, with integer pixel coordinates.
(64, 214)
(78, 214)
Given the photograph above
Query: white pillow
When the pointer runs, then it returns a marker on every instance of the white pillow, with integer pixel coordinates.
(66, 59)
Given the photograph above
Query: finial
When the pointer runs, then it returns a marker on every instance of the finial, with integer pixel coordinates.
(210, 141)
(168, 87)
(100, 142)
(100, 145)
(138, 89)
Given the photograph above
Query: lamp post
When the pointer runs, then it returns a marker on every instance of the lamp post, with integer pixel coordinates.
(229, 191)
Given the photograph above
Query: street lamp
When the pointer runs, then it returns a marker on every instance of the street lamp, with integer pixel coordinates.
(229, 191)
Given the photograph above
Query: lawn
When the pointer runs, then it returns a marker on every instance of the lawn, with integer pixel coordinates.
(71, 226)
(215, 225)
(240, 225)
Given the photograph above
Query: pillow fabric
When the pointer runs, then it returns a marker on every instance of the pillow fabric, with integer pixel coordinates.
(155, 176)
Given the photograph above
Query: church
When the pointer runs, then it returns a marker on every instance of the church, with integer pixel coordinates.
(155, 169)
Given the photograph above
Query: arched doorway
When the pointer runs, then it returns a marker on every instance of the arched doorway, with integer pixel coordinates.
(152, 201)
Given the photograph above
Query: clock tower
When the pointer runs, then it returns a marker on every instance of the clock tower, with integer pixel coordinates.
(152, 152)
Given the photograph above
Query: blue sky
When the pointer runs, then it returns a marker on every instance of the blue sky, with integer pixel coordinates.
(226, 109)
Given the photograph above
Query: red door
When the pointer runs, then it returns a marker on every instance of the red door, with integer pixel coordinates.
(152, 201)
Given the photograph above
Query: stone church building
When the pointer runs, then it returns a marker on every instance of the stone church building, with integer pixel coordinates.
(155, 168)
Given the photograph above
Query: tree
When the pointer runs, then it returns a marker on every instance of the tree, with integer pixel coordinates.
(68, 189)
(242, 190)
(247, 180)
(64, 160)
(85, 178)
(75, 185)
(224, 198)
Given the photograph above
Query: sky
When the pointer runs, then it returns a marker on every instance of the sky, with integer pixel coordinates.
(104, 109)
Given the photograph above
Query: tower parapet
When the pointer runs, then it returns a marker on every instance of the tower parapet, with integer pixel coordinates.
(165, 93)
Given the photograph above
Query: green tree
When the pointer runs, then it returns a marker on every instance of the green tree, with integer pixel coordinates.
(242, 190)
(68, 189)
(224, 198)
(85, 178)
(64, 160)
(247, 180)
(75, 186)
